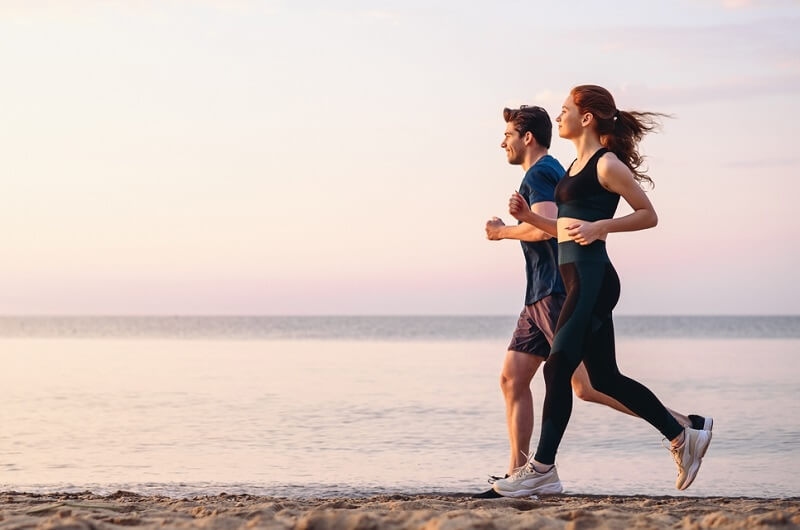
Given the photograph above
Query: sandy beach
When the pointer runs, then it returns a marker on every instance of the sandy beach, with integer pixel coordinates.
(86, 511)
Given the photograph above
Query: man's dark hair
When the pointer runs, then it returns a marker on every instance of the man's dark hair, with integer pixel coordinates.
(531, 119)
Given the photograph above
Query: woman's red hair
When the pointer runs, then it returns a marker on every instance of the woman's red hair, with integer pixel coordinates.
(620, 131)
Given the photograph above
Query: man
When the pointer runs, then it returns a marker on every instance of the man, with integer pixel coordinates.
(526, 141)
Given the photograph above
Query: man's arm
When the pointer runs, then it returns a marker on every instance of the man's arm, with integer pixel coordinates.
(519, 209)
(496, 229)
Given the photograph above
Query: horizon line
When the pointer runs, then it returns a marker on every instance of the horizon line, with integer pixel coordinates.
(364, 315)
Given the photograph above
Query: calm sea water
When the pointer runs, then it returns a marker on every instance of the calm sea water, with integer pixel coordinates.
(324, 406)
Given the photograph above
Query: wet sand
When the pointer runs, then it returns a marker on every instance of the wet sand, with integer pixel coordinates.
(86, 511)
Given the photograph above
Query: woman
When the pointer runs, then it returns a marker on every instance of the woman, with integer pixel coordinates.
(608, 166)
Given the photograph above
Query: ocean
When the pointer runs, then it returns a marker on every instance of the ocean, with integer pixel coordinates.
(359, 406)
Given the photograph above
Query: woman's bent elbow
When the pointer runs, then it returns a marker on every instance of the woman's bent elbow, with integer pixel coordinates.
(651, 219)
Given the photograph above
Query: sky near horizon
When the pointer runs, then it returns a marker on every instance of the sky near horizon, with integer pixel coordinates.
(342, 157)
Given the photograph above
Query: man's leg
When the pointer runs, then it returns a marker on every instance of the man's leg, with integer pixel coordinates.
(515, 381)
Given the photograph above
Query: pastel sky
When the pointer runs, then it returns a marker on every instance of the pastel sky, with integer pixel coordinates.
(342, 157)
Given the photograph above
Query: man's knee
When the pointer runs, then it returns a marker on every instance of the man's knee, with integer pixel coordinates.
(518, 372)
(558, 368)
(514, 383)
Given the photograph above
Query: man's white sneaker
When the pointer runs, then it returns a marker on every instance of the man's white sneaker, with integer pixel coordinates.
(689, 456)
(526, 481)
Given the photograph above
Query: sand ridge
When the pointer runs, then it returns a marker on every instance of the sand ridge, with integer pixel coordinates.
(87, 511)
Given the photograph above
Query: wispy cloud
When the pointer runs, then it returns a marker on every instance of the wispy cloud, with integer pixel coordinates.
(662, 97)
(771, 37)
(725, 89)
(727, 61)
(360, 16)
(60, 8)
(763, 163)
(754, 4)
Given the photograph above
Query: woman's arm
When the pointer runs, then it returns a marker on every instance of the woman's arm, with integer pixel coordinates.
(616, 177)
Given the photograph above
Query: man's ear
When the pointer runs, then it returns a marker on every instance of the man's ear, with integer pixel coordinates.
(528, 138)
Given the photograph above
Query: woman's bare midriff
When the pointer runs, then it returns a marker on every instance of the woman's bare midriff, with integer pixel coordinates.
(561, 225)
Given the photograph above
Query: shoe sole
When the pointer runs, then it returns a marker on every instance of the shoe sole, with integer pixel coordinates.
(709, 424)
(488, 494)
(548, 489)
(701, 450)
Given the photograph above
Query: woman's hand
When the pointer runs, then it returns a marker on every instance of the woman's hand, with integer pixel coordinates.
(586, 232)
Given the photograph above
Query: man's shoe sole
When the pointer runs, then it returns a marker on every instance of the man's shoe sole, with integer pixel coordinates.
(488, 494)
(548, 489)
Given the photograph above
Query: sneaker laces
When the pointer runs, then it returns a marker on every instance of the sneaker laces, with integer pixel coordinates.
(675, 451)
(524, 469)
(514, 474)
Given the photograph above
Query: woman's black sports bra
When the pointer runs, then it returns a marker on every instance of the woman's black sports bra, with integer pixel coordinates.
(582, 196)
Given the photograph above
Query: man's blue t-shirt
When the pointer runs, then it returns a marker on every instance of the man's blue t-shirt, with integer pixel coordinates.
(541, 257)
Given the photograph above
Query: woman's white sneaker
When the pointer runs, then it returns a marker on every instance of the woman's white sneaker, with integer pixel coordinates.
(689, 455)
(702, 423)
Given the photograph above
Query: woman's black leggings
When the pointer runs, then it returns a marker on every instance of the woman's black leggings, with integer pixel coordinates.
(585, 333)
